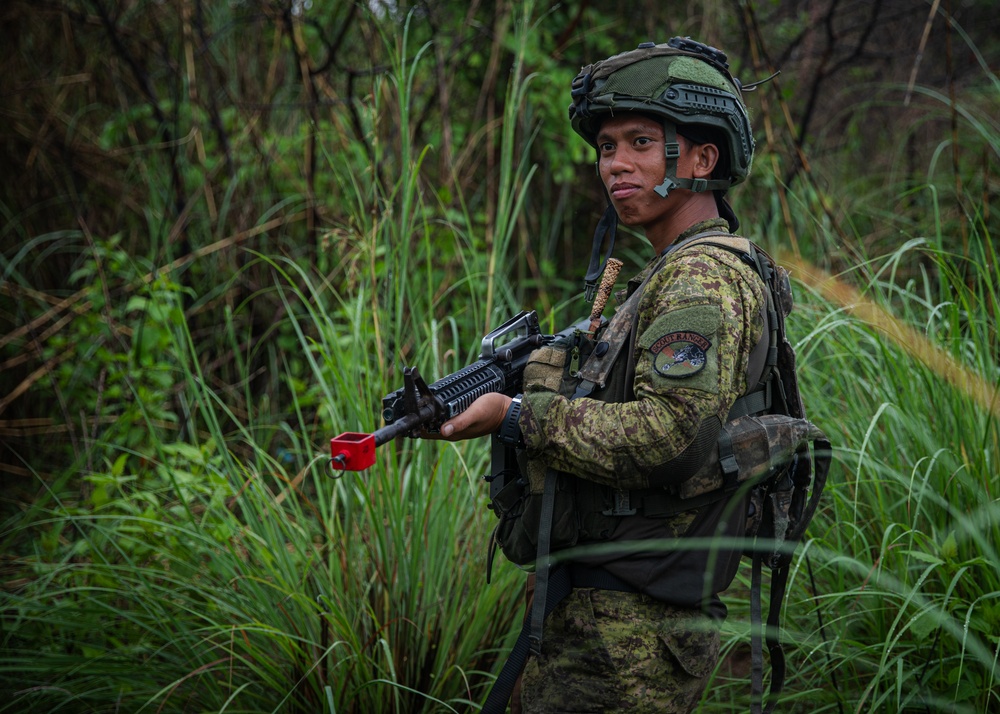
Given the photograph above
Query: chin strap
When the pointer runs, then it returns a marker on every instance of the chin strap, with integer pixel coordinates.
(672, 149)
(608, 225)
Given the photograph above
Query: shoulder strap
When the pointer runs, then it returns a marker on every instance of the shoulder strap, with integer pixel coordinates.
(594, 373)
(732, 243)
(764, 362)
(776, 654)
(764, 358)
(558, 587)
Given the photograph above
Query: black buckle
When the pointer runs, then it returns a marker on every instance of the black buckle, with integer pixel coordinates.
(622, 505)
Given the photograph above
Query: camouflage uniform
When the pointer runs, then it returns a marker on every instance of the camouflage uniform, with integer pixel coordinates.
(699, 318)
(608, 651)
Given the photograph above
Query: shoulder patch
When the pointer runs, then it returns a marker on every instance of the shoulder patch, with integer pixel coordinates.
(680, 354)
(679, 349)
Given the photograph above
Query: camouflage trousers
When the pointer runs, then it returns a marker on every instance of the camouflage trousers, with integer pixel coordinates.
(609, 652)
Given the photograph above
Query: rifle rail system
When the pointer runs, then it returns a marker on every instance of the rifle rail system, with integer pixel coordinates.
(417, 406)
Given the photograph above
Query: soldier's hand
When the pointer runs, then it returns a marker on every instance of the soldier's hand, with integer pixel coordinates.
(484, 416)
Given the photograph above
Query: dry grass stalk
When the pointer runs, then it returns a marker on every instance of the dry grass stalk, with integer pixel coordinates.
(910, 340)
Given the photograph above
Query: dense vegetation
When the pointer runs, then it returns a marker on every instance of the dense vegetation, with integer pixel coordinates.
(226, 226)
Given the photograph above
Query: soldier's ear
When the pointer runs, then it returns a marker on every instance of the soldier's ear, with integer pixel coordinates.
(706, 157)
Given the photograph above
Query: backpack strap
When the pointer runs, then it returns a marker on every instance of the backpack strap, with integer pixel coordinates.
(561, 581)
(542, 563)
(556, 589)
(776, 654)
(779, 560)
(764, 357)
(549, 592)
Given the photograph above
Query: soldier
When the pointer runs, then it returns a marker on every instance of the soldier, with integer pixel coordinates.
(617, 433)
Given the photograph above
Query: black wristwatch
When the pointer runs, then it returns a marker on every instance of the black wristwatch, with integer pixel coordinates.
(510, 433)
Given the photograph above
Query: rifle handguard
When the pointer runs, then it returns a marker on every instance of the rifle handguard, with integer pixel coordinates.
(416, 406)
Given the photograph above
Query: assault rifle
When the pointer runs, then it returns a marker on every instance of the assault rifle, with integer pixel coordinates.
(417, 406)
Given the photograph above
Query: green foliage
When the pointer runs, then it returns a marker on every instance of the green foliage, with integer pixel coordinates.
(215, 259)
(238, 574)
(912, 576)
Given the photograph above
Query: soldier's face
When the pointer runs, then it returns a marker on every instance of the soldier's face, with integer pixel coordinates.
(632, 163)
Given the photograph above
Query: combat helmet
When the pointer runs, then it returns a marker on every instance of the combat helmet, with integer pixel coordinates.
(688, 86)
(682, 82)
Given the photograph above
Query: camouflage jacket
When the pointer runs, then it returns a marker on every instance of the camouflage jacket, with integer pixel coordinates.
(699, 318)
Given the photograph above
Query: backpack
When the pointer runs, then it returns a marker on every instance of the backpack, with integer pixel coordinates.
(766, 448)
(784, 498)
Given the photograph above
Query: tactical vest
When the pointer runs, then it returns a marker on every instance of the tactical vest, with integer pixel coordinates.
(762, 451)
(576, 366)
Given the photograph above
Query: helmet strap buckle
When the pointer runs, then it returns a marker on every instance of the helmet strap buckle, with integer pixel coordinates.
(672, 150)
(698, 185)
(666, 187)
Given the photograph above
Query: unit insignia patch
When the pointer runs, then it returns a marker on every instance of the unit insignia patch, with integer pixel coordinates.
(679, 354)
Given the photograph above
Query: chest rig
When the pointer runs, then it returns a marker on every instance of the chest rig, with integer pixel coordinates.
(761, 451)
(601, 366)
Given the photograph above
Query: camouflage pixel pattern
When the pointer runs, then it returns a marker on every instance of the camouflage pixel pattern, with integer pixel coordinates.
(611, 652)
(702, 289)
(760, 443)
(607, 651)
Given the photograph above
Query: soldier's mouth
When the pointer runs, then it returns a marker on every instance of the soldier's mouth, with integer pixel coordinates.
(620, 191)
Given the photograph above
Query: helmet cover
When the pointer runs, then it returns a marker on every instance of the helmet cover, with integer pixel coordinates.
(682, 82)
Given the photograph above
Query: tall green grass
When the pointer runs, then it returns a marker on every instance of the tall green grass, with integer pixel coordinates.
(208, 560)
(894, 601)
(199, 555)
